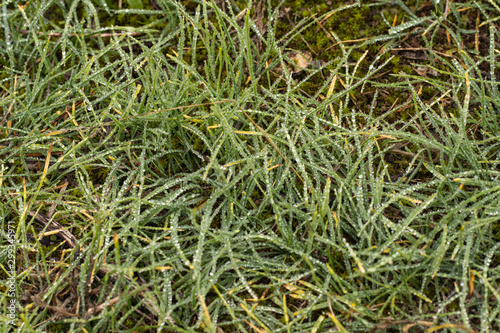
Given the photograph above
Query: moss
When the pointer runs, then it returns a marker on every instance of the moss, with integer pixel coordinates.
(198, 144)
(53, 250)
(428, 92)
(130, 322)
(98, 174)
(76, 192)
(395, 62)
(58, 327)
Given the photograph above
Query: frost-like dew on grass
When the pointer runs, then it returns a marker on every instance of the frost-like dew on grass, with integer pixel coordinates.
(239, 227)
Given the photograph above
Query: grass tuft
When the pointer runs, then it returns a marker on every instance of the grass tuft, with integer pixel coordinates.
(225, 166)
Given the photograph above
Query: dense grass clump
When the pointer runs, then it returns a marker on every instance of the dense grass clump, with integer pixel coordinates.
(185, 166)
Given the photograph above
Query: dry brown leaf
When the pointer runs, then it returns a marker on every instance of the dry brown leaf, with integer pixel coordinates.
(301, 61)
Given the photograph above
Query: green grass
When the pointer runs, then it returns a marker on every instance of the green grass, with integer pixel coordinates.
(206, 187)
